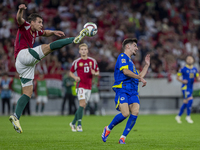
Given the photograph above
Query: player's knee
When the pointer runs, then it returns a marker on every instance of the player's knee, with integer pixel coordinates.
(82, 104)
(135, 113)
(126, 114)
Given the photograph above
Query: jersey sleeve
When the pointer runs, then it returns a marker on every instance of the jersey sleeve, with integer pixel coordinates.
(196, 73)
(74, 66)
(39, 33)
(123, 62)
(24, 24)
(180, 72)
(96, 68)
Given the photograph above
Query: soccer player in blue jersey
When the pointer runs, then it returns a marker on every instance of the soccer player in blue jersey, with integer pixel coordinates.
(188, 73)
(126, 88)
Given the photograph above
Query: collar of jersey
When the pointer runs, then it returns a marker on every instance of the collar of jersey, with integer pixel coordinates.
(189, 66)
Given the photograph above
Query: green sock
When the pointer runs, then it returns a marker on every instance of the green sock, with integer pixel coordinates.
(60, 43)
(21, 104)
(75, 118)
(42, 108)
(36, 108)
(80, 115)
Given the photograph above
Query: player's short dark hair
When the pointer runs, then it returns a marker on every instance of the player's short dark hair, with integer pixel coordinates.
(128, 41)
(33, 17)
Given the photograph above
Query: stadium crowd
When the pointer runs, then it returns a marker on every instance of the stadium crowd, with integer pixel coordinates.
(168, 29)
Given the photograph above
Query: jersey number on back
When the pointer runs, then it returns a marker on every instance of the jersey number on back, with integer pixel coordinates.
(86, 69)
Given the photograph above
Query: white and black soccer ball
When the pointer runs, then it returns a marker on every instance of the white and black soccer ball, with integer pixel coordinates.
(92, 27)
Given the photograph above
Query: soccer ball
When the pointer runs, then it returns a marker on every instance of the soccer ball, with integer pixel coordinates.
(92, 27)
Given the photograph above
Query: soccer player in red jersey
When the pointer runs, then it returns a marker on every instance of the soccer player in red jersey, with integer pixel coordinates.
(27, 57)
(85, 67)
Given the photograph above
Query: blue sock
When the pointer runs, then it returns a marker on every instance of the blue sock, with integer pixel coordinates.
(182, 109)
(129, 125)
(117, 119)
(189, 107)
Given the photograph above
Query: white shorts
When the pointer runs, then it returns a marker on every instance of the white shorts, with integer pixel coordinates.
(83, 94)
(94, 97)
(15, 97)
(26, 61)
(42, 99)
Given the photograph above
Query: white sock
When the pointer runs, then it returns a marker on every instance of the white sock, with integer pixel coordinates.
(122, 136)
(108, 129)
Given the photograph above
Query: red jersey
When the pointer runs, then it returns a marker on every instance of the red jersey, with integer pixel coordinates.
(25, 37)
(83, 70)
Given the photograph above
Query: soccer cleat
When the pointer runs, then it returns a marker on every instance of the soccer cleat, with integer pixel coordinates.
(82, 34)
(15, 123)
(79, 128)
(105, 134)
(73, 127)
(122, 141)
(189, 120)
(178, 119)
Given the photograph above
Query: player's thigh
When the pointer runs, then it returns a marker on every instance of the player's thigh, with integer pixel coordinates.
(82, 103)
(30, 56)
(134, 108)
(121, 101)
(26, 61)
(46, 49)
(28, 90)
(124, 109)
(187, 95)
(81, 95)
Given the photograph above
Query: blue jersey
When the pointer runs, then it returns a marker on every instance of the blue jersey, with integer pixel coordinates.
(188, 74)
(123, 82)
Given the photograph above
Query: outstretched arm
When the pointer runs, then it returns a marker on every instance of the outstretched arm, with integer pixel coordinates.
(19, 16)
(147, 63)
(129, 73)
(48, 33)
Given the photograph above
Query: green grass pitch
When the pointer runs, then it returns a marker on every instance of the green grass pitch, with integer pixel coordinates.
(151, 132)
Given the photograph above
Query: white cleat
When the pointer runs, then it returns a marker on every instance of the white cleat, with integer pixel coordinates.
(79, 128)
(15, 123)
(73, 127)
(82, 34)
(189, 120)
(178, 119)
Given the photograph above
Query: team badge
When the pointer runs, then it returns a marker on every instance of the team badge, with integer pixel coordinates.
(123, 60)
(122, 98)
(90, 63)
(81, 96)
(81, 64)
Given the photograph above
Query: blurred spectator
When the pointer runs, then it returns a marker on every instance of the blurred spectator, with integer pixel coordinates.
(5, 92)
(70, 94)
(166, 29)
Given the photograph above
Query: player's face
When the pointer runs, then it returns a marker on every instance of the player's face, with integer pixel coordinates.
(37, 24)
(83, 51)
(133, 48)
(190, 60)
